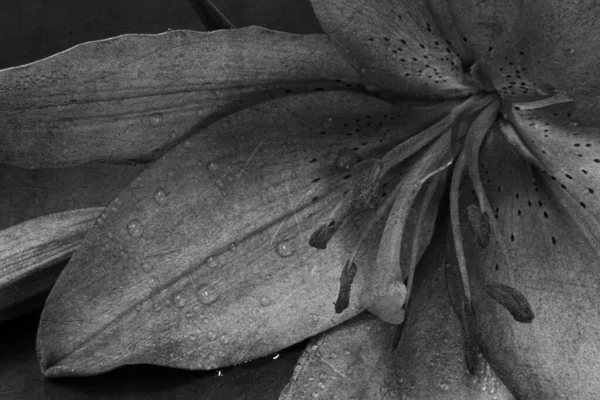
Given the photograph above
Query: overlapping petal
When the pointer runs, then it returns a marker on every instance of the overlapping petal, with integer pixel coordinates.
(29, 254)
(553, 264)
(394, 44)
(131, 96)
(533, 48)
(204, 260)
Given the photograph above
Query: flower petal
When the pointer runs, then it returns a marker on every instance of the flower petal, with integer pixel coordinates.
(567, 153)
(204, 261)
(430, 359)
(30, 252)
(531, 48)
(130, 96)
(350, 360)
(395, 45)
(554, 265)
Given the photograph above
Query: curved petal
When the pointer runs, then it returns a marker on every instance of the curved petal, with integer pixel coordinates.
(204, 261)
(567, 153)
(29, 253)
(534, 47)
(395, 45)
(130, 96)
(429, 361)
(351, 361)
(554, 266)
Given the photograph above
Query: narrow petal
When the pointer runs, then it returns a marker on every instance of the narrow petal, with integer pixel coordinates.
(204, 261)
(29, 255)
(130, 96)
(395, 45)
(554, 266)
(535, 48)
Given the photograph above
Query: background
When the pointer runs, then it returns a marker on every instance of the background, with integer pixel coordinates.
(34, 29)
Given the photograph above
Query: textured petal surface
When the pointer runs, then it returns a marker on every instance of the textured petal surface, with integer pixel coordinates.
(395, 45)
(555, 266)
(30, 252)
(128, 97)
(203, 261)
(533, 47)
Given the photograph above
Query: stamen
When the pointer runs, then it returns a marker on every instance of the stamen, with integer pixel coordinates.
(477, 132)
(432, 186)
(470, 331)
(548, 101)
(457, 173)
(387, 272)
(415, 143)
(346, 279)
(511, 299)
(480, 223)
(514, 140)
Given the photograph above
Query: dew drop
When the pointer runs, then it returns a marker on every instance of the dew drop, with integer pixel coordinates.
(232, 247)
(212, 166)
(179, 300)
(208, 295)
(154, 281)
(212, 262)
(134, 227)
(285, 249)
(346, 159)
(146, 267)
(155, 119)
(265, 301)
(160, 196)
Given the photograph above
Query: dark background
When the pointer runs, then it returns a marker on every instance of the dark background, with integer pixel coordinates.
(34, 29)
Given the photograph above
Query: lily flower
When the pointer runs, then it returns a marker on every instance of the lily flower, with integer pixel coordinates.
(433, 163)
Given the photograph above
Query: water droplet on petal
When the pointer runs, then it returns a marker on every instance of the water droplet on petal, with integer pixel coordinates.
(146, 267)
(160, 196)
(212, 262)
(134, 227)
(212, 166)
(346, 159)
(155, 119)
(265, 301)
(285, 249)
(179, 300)
(208, 295)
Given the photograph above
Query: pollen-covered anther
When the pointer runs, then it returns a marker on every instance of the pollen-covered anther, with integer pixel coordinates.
(511, 299)
(480, 224)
